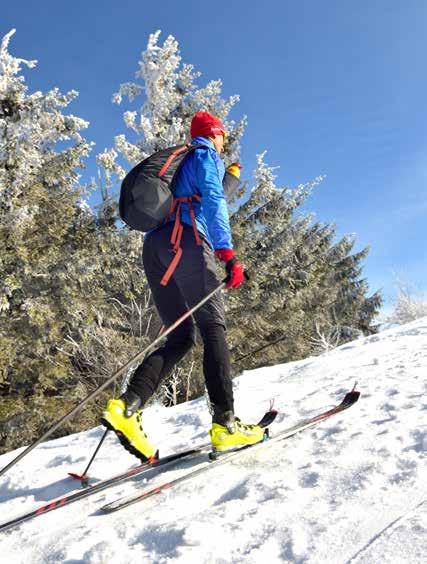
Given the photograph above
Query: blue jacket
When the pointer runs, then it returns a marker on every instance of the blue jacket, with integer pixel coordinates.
(202, 173)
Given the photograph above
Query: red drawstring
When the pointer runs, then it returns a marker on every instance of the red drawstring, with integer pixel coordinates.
(177, 232)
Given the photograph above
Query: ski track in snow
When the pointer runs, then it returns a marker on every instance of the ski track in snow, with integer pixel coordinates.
(351, 490)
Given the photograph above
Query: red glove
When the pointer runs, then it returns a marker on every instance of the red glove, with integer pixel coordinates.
(233, 267)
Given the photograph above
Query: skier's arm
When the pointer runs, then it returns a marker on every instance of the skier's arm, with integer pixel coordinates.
(214, 204)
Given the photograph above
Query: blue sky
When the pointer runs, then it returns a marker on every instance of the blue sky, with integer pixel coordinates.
(335, 88)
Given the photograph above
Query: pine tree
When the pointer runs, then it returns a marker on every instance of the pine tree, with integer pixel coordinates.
(303, 282)
(409, 304)
(171, 98)
(44, 229)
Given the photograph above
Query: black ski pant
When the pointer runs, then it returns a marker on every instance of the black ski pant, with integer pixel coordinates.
(194, 278)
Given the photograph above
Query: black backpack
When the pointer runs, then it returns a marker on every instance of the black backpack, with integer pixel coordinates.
(146, 194)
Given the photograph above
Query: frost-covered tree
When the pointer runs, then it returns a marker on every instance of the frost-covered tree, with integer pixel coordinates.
(409, 305)
(170, 98)
(68, 276)
(41, 210)
(302, 282)
(46, 238)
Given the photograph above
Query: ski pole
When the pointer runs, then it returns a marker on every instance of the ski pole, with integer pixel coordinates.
(107, 382)
(84, 476)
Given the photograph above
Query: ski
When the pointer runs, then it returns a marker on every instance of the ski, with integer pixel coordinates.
(349, 400)
(267, 418)
(102, 485)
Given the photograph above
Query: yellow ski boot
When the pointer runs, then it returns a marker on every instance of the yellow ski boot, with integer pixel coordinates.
(233, 434)
(129, 430)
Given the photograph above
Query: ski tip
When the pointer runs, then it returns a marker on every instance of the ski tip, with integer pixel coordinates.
(268, 418)
(351, 397)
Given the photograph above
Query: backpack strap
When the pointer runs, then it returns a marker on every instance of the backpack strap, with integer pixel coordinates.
(177, 232)
(178, 228)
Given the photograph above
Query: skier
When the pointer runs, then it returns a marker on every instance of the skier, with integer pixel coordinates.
(198, 229)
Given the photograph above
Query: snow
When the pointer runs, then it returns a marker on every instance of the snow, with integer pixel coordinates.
(351, 490)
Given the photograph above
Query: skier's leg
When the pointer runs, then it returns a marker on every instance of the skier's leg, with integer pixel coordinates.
(196, 277)
(124, 415)
(216, 366)
(195, 283)
(170, 305)
(159, 364)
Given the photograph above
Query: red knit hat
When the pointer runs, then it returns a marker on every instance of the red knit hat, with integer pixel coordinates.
(204, 124)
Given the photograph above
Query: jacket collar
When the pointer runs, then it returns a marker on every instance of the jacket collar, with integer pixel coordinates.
(202, 141)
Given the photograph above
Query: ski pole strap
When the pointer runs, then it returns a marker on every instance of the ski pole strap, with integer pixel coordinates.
(177, 232)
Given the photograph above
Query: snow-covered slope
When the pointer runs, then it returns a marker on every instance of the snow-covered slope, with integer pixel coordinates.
(351, 490)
